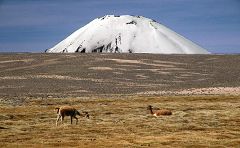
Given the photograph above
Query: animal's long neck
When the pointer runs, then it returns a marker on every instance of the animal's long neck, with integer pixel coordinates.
(57, 108)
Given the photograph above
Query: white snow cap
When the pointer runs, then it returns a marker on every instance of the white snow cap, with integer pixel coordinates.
(127, 34)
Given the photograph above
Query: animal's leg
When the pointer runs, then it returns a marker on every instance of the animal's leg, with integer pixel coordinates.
(76, 120)
(62, 119)
(71, 119)
(58, 117)
(87, 115)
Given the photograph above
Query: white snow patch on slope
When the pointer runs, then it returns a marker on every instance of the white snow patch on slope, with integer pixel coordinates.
(127, 34)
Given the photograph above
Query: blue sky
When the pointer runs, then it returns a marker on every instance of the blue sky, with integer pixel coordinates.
(35, 25)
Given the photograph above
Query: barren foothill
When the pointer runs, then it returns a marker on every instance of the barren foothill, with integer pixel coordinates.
(64, 75)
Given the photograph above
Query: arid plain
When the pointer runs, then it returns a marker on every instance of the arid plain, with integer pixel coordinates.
(202, 91)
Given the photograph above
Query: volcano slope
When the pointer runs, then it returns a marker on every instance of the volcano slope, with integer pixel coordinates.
(202, 91)
(126, 34)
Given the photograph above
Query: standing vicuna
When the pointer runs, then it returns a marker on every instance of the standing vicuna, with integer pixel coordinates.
(162, 112)
(68, 111)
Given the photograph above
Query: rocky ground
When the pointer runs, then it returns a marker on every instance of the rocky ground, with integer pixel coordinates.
(62, 75)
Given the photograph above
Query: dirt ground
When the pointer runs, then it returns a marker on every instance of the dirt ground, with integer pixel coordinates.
(202, 91)
(64, 75)
(197, 121)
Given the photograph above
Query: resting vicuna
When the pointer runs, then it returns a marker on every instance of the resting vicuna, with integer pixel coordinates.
(162, 112)
(68, 111)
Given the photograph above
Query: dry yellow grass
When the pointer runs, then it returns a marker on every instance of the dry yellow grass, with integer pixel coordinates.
(197, 121)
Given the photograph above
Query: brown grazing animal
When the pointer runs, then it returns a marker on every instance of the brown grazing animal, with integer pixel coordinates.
(162, 112)
(68, 111)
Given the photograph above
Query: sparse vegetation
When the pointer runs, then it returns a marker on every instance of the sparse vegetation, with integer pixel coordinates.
(198, 121)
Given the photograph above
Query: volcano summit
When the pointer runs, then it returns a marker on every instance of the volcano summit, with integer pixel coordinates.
(126, 34)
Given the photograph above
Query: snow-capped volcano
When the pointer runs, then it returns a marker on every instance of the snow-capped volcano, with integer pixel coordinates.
(127, 34)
